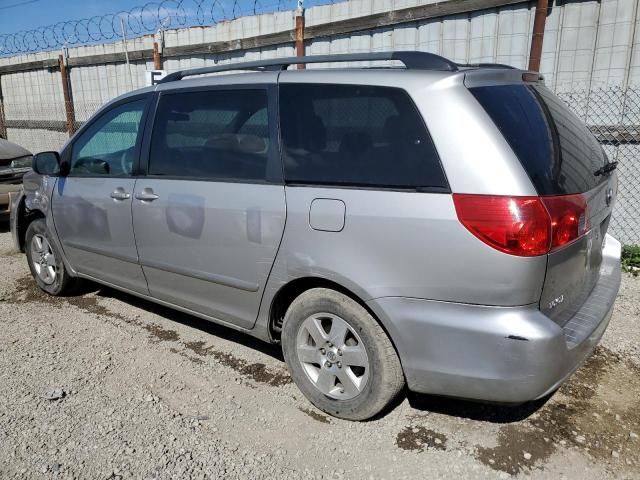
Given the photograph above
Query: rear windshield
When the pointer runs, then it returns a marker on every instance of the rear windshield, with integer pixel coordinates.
(554, 146)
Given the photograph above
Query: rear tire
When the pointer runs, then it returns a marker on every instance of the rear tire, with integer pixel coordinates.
(339, 356)
(45, 260)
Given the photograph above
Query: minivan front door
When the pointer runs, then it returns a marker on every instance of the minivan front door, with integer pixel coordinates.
(92, 204)
(210, 214)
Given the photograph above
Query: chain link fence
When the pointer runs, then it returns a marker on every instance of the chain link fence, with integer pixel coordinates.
(612, 114)
(43, 127)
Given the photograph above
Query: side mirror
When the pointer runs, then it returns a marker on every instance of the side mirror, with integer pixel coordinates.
(46, 163)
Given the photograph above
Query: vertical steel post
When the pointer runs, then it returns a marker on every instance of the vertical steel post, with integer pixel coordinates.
(3, 124)
(157, 59)
(538, 35)
(126, 51)
(68, 98)
(300, 33)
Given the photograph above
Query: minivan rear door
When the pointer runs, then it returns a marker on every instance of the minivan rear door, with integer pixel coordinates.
(562, 158)
(209, 214)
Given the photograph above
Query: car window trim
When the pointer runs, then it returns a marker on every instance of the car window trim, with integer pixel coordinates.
(364, 186)
(66, 154)
(273, 156)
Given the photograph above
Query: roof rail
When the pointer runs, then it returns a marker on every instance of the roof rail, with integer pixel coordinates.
(487, 65)
(411, 60)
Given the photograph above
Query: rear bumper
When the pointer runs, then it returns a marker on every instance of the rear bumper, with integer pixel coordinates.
(501, 354)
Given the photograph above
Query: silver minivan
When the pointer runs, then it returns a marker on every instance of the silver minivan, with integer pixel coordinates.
(428, 224)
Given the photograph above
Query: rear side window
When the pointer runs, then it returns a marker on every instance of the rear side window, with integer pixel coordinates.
(220, 134)
(554, 146)
(350, 135)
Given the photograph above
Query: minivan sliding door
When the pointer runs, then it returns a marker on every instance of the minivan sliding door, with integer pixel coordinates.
(210, 213)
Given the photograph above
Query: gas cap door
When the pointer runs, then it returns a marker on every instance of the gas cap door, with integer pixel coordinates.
(327, 214)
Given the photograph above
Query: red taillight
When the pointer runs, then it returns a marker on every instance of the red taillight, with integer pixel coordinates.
(523, 226)
(569, 219)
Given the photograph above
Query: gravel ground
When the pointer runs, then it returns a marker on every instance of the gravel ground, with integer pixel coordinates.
(146, 392)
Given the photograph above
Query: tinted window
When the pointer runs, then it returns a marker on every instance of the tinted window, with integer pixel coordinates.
(214, 134)
(107, 147)
(356, 135)
(554, 145)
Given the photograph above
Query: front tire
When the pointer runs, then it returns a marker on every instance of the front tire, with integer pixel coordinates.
(45, 260)
(339, 356)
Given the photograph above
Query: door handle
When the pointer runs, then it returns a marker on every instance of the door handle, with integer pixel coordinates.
(120, 194)
(147, 195)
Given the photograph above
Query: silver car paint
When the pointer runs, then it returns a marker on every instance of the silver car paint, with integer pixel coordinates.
(96, 231)
(573, 271)
(511, 354)
(209, 246)
(399, 244)
(466, 323)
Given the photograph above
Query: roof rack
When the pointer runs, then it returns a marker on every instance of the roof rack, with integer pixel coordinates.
(487, 65)
(411, 60)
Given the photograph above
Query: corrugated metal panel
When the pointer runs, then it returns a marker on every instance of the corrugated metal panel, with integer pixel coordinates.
(614, 40)
(483, 36)
(576, 46)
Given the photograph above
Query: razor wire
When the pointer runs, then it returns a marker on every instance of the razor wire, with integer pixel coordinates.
(140, 20)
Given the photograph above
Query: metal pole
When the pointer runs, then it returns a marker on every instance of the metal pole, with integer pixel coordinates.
(126, 52)
(3, 124)
(300, 32)
(157, 59)
(538, 35)
(68, 98)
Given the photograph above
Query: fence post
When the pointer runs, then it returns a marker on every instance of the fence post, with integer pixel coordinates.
(300, 32)
(157, 58)
(537, 36)
(68, 98)
(3, 125)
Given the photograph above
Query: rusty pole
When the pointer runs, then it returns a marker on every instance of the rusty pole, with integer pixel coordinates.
(538, 35)
(3, 124)
(157, 59)
(300, 34)
(68, 99)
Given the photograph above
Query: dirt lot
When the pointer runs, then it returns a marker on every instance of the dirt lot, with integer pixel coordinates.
(151, 393)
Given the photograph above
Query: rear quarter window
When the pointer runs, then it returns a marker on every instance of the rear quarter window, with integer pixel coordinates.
(352, 135)
(555, 147)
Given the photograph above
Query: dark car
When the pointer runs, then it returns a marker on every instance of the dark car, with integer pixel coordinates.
(15, 161)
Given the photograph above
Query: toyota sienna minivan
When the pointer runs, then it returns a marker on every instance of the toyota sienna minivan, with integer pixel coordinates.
(428, 224)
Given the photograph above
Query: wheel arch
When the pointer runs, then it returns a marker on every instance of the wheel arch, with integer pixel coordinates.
(294, 288)
(24, 217)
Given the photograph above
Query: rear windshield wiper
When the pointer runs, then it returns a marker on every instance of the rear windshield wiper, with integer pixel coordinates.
(606, 168)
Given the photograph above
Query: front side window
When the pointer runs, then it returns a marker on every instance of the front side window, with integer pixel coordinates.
(221, 134)
(108, 146)
(351, 135)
